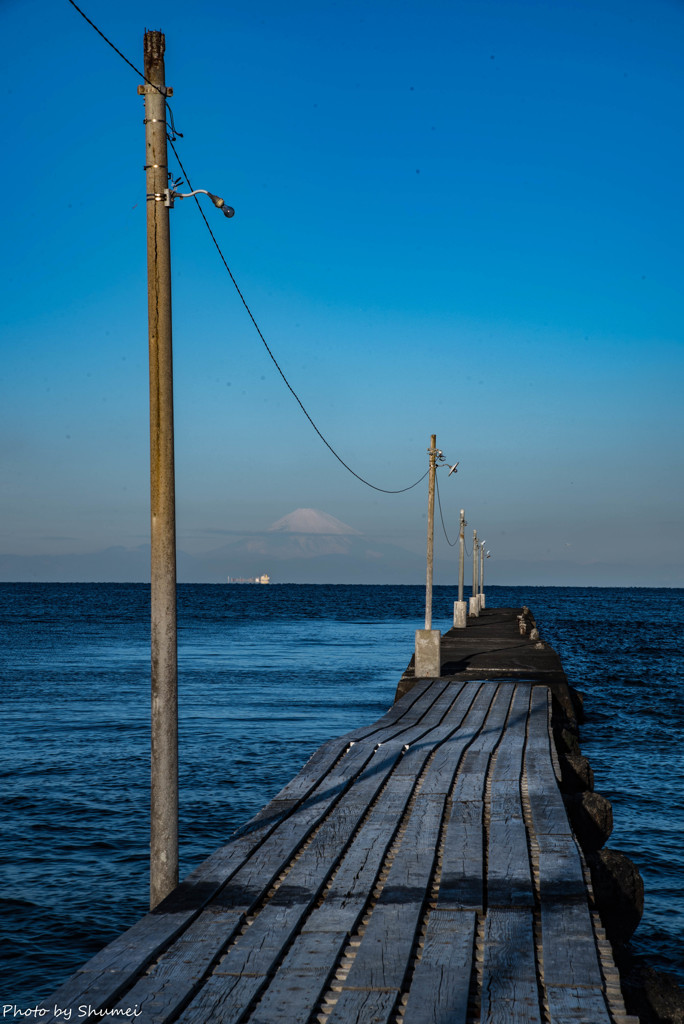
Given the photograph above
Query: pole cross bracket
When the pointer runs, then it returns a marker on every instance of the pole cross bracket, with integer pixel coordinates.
(143, 90)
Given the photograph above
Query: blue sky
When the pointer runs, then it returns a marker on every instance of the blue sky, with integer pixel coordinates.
(457, 218)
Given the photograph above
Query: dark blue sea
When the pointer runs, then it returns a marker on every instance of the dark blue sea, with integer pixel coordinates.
(266, 674)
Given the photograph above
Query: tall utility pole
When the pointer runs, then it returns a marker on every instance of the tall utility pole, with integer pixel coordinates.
(474, 608)
(432, 451)
(428, 641)
(460, 618)
(164, 787)
(461, 555)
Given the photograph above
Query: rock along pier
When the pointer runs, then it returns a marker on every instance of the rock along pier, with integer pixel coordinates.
(443, 864)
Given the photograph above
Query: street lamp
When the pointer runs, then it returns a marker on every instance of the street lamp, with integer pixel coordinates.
(168, 196)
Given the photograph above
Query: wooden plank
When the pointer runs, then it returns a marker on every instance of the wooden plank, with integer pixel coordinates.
(385, 951)
(572, 975)
(577, 1006)
(256, 952)
(109, 974)
(361, 1006)
(181, 971)
(301, 982)
(344, 904)
(509, 879)
(106, 977)
(441, 980)
(464, 723)
(114, 970)
(509, 991)
(384, 954)
(461, 883)
(509, 876)
(297, 892)
(560, 869)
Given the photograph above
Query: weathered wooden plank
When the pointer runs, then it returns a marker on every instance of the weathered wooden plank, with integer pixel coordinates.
(571, 965)
(257, 952)
(344, 903)
(461, 883)
(464, 723)
(568, 946)
(509, 879)
(106, 976)
(384, 955)
(182, 969)
(509, 992)
(113, 970)
(214, 966)
(303, 883)
(509, 876)
(300, 984)
(560, 869)
(577, 1005)
(361, 1006)
(441, 979)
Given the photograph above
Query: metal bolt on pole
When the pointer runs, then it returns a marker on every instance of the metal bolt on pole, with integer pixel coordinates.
(164, 753)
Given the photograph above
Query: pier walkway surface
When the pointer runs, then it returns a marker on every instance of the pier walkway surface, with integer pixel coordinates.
(419, 869)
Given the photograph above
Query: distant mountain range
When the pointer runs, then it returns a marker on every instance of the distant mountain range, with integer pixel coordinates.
(309, 546)
(306, 546)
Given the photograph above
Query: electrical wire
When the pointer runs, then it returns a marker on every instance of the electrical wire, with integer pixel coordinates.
(294, 394)
(273, 358)
(441, 516)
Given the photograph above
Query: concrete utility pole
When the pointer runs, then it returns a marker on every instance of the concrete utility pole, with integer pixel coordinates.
(474, 608)
(164, 787)
(485, 555)
(428, 646)
(460, 618)
(480, 597)
(432, 451)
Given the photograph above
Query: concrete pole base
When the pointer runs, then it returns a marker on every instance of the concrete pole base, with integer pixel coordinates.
(482, 601)
(428, 662)
(460, 614)
(474, 607)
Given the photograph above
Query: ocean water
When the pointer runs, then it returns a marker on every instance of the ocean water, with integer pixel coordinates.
(266, 674)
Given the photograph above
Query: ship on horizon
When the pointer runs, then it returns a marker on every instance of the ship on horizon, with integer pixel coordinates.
(249, 579)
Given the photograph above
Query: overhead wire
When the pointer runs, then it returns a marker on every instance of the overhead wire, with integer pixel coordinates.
(176, 134)
(441, 515)
(272, 357)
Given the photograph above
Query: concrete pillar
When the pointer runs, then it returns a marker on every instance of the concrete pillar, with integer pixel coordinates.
(460, 614)
(482, 601)
(428, 653)
(474, 606)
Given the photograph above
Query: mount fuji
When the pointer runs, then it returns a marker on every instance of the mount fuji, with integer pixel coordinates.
(310, 546)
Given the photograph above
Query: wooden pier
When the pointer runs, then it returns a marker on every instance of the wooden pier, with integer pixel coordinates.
(419, 869)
